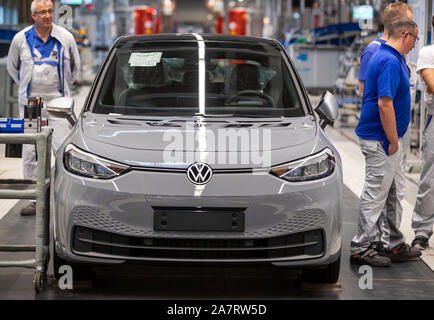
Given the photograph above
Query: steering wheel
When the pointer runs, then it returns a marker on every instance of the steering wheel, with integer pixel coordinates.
(239, 94)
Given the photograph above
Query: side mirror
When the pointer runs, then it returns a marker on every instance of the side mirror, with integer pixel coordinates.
(328, 109)
(63, 108)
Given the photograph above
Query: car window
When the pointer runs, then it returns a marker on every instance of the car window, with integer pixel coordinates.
(164, 81)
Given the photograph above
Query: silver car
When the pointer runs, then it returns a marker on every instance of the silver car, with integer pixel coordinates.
(199, 149)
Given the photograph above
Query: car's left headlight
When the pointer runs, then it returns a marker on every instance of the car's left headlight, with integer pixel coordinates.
(311, 168)
(89, 165)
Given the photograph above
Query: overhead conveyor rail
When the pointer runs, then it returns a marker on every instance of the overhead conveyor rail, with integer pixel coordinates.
(38, 190)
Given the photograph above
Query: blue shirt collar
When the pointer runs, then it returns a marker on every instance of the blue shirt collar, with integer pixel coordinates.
(33, 33)
(397, 54)
(56, 33)
(392, 50)
(35, 41)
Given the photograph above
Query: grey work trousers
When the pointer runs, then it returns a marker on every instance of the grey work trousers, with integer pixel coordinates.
(400, 181)
(423, 215)
(380, 210)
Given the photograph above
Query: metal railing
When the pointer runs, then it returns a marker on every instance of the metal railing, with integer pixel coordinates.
(38, 190)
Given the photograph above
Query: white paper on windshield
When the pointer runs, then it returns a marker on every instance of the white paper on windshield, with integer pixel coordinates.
(145, 59)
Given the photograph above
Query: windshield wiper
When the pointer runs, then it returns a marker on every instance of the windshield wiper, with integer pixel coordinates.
(233, 115)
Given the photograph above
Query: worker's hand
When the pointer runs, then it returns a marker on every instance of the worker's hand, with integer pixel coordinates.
(393, 148)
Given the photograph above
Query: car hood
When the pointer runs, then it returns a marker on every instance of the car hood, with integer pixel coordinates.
(193, 134)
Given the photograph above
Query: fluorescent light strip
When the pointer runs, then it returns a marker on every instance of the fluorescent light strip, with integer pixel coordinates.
(202, 66)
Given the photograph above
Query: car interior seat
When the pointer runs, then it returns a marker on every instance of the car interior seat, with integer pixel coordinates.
(244, 77)
(143, 80)
(190, 81)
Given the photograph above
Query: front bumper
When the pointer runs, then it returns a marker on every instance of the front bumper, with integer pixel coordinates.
(112, 222)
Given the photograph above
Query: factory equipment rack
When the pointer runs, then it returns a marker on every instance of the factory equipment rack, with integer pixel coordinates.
(38, 190)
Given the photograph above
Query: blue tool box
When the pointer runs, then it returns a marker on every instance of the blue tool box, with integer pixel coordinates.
(10, 125)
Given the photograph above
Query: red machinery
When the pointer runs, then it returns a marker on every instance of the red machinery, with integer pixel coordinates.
(146, 20)
(237, 23)
(220, 23)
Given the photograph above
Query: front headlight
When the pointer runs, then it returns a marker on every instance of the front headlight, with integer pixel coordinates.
(86, 164)
(314, 167)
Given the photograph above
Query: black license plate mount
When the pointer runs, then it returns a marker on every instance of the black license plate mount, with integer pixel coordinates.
(199, 220)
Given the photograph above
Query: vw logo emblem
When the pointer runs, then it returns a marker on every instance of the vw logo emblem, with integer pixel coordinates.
(199, 173)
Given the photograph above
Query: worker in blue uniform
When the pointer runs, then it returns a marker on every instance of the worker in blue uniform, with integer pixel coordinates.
(383, 123)
(392, 12)
(44, 61)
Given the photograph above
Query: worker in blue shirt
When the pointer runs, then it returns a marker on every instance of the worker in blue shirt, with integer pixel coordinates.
(383, 123)
(392, 12)
(44, 62)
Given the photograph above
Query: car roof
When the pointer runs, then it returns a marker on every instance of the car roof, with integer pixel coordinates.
(191, 37)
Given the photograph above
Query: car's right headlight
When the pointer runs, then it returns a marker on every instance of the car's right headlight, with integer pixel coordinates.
(89, 165)
(314, 167)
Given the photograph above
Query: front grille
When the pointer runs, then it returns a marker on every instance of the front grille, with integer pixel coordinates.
(87, 241)
(96, 218)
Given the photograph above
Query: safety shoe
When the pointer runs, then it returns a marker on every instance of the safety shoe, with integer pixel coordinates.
(401, 253)
(30, 210)
(420, 243)
(370, 257)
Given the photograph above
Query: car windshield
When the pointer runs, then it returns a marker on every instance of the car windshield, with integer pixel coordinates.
(165, 79)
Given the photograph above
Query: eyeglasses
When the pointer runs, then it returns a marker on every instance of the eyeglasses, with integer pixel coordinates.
(415, 36)
(44, 12)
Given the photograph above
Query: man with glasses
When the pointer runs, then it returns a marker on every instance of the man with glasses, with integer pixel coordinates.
(416, 38)
(423, 215)
(44, 62)
(383, 123)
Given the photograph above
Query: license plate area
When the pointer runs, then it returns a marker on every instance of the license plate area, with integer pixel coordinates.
(217, 220)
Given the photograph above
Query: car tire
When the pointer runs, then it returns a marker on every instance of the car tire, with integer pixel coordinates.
(329, 274)
(80, 272)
